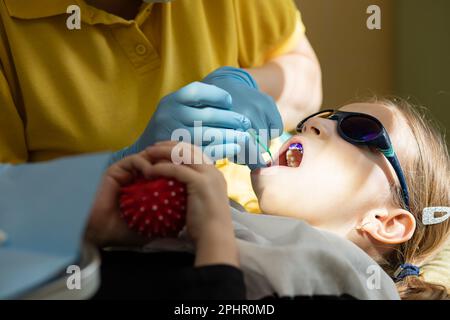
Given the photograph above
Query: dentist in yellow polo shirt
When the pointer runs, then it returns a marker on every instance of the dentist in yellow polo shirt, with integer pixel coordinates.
(65, 92)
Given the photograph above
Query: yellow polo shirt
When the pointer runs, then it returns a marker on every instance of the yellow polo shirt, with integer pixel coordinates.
(66, 92)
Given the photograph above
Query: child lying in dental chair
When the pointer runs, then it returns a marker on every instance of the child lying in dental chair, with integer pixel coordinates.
(348, 206)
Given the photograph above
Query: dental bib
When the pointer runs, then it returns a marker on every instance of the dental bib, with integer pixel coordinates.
(287, 257)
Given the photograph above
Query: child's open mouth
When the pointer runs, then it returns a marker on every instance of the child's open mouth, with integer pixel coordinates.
(291, 155)
(294, 155)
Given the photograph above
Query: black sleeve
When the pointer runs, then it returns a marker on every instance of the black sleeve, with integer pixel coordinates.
(222, 282)
(166, 275)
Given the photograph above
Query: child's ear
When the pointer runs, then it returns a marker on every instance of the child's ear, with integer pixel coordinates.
(393, 226)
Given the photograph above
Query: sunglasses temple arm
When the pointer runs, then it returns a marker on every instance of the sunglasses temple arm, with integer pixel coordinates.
(392, 158)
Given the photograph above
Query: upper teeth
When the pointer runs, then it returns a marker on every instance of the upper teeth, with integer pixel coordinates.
(294, 155)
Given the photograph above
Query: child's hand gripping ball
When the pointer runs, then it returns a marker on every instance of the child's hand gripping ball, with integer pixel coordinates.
(154, 208)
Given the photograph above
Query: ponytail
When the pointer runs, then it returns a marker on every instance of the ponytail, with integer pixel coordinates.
(415, 288)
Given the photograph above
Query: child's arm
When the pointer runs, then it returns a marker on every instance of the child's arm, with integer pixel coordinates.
(215, 274)
(208, 214)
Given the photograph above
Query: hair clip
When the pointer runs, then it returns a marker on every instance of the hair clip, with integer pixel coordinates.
(405, 270)
(429, 215)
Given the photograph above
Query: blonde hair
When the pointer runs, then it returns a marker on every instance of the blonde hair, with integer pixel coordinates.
(427, 176)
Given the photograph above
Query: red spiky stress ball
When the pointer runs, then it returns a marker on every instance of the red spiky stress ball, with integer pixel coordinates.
(154, 208)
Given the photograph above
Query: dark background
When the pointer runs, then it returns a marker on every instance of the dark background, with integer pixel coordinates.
(409, 57)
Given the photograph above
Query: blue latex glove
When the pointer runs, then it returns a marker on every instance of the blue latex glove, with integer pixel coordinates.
(253, 104)
(192, 103)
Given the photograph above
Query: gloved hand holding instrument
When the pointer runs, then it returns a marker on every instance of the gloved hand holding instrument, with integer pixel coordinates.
(266, 123)
(227, 104)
